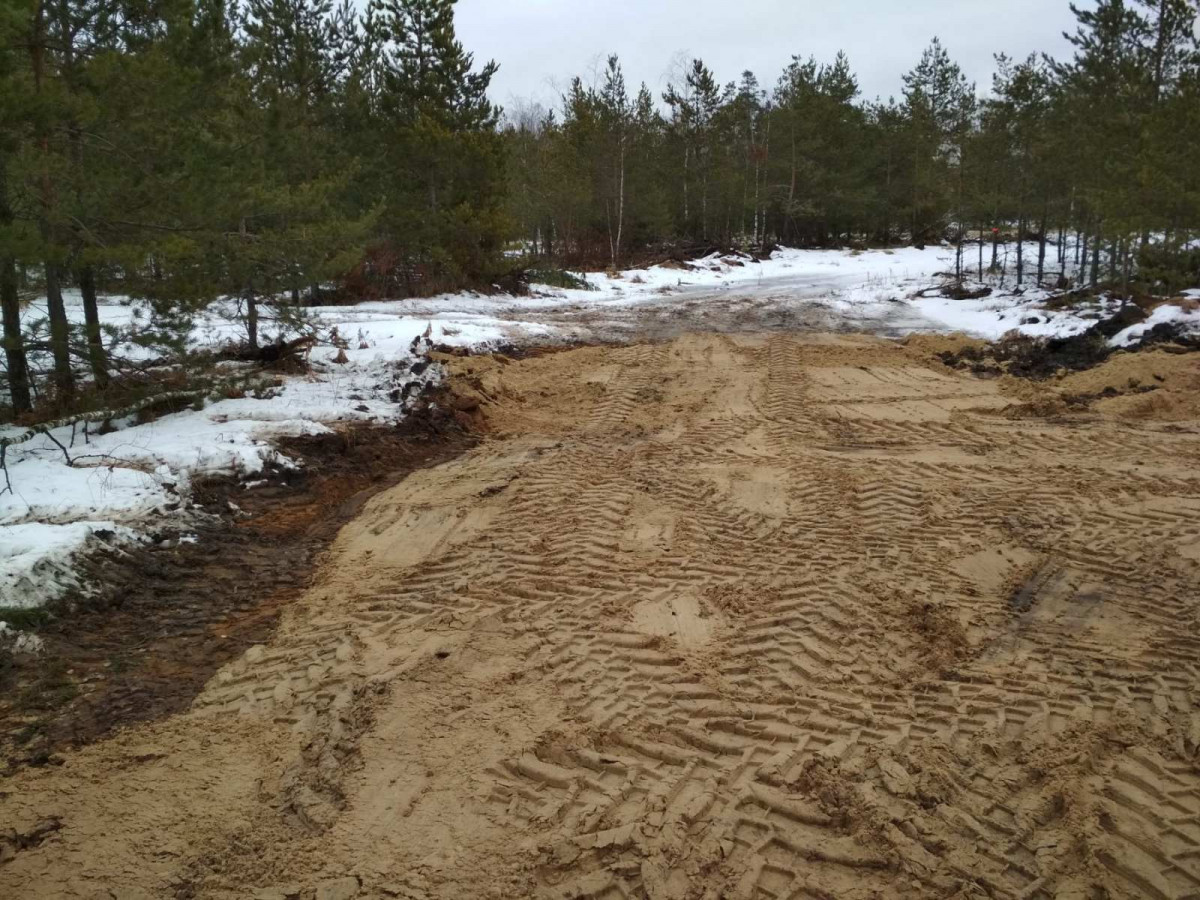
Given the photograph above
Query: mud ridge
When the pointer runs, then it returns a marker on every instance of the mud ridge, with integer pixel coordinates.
(1041, 358)
(161, 618)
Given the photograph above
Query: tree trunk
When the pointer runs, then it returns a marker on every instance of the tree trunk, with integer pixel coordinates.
(887, 200)
(60, 335)
(91, 316)
(686, 168)
(792, 183)
(620, 205)
(745, 186)
(766, 174)
(1160, 55)
(251, 320)
(958, 256)
(1127, 268)
(1041, 272)
(1096, 259)
(916, 180)
(14, 343)
(756, 238)
(60, 332)
(1020, 249)
(981, 251)
(10, 312)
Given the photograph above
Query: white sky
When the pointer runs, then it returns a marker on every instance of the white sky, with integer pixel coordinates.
(541, 44)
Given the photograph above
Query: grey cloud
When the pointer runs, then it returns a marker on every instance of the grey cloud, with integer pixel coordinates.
(540, 44)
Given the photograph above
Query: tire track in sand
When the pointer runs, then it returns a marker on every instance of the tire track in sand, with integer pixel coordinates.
(757, 619)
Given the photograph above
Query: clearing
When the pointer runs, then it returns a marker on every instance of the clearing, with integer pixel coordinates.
(734, 616)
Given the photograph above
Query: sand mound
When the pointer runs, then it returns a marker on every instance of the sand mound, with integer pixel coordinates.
(721, 617)
(933, 344)
(1148, 386)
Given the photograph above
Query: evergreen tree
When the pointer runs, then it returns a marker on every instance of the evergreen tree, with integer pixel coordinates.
(180, 151)
(937, 100)
(694, 107)
(821, 167)
(443, 204)
(13, 19)
(750, 116)
(1019, 111)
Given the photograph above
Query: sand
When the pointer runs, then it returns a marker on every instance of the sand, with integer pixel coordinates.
(724, 617)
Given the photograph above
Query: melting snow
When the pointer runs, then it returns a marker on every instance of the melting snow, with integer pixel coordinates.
(137, 477)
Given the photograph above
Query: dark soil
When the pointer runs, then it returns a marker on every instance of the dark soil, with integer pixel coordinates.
(169, 614)
(1042, 358)
(1027, 357)
(1125, 317)
(961, 292)
(1167, 335)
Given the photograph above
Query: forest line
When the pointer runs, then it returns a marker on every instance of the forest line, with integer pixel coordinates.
(284, 153)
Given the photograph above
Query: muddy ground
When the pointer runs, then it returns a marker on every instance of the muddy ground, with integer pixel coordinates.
(158, 620)
(780, 304)
(736, 616)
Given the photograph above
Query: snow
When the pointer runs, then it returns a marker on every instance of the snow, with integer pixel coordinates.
(388, 328)
(19, 641)
(993, 317)
(135, 480)
(1166, 314)
(37, 558)
(803, 272)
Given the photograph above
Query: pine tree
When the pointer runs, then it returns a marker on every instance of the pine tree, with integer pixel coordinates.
(616, 112)
(750, 115)
(12, 20)
(444, 204)
(937, 98)
(694, 107)
(1129, 60)
(1019, 113)
(814, 106)
(296, 228)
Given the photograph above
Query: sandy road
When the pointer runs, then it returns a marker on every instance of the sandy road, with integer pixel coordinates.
(744, 617)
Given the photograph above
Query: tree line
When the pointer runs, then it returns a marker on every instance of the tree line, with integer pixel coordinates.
(181, 151)
(270, 153)
(1102, 145)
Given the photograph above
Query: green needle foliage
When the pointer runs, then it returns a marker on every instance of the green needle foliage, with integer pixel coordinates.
(277, 154)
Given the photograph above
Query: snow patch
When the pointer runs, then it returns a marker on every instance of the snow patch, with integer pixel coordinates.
(138, 476)
(1167, 314)
(72, 490)
(1026, 313)
(19, 642)
(36, 558)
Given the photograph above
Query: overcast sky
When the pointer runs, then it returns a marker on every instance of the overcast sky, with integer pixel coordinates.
(540, 44)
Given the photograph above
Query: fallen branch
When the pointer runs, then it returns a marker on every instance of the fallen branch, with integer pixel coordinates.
(100, 415)
(4, 467)
(59, 443)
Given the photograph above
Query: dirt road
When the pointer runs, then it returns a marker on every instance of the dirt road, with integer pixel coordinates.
(743, 617)
(785, 304)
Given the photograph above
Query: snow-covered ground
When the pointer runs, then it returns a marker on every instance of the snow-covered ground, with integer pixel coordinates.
(1167, 314)
(134, 480)
(875, 291)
